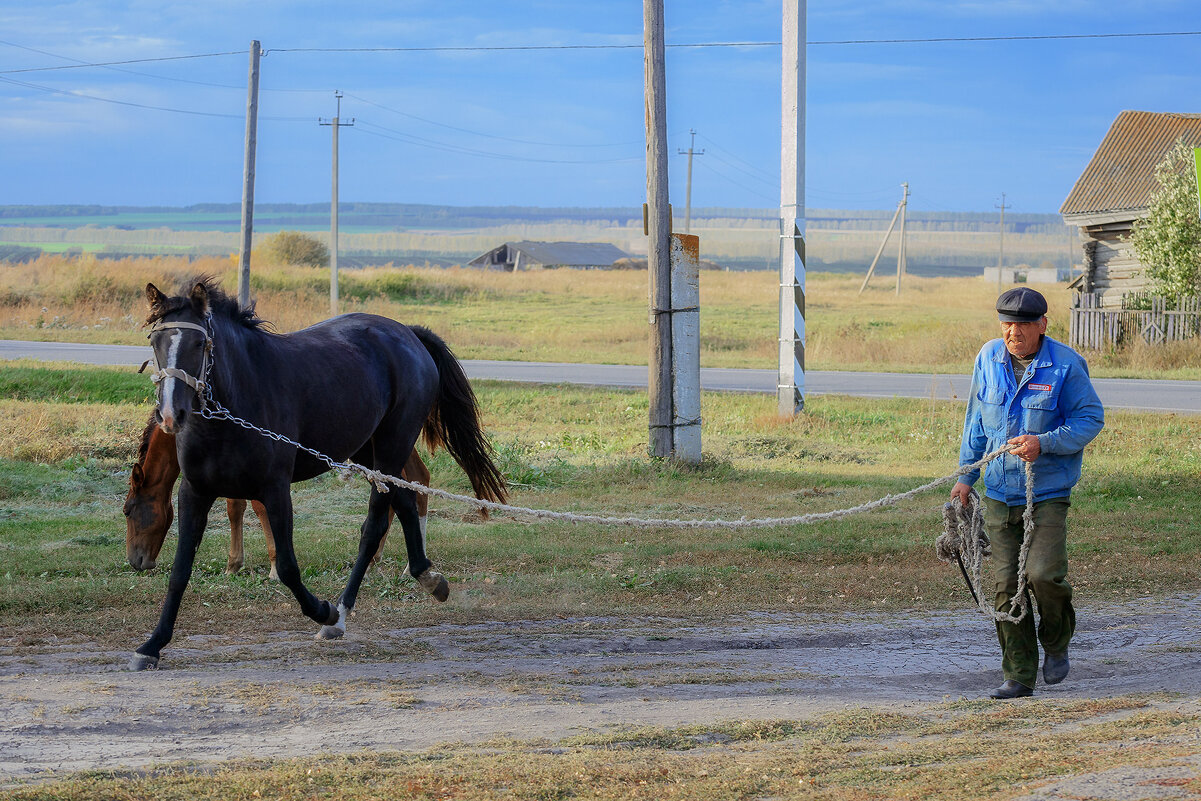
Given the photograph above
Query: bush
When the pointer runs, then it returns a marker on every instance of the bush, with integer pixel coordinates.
(1168, 239)
(293, 247)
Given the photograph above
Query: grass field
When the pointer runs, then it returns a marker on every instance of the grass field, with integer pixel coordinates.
(68, 434)
(935, 325)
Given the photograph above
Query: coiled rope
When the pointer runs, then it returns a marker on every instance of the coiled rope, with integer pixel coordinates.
(965, 540)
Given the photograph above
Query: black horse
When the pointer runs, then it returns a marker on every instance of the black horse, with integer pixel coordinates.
(357, 386)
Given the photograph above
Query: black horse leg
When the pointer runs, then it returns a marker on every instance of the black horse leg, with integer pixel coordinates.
(278, 503)
(371, 535)
(405, 505)
(193, 517)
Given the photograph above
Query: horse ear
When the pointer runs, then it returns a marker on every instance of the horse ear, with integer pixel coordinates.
(200, 299)
(154, 297)
(137, 476)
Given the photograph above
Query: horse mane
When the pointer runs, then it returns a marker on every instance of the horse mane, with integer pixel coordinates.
(219, 304)
(144, 445)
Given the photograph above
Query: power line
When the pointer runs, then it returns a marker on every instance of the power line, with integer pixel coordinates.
(400, 136)
(519, 48)
(481, 133)
(79, 63)
(132, 104)
(109, 63)
(742, 186)
(925, 40)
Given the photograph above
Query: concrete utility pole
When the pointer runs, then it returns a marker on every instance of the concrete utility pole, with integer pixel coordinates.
(1001, 255)
(659, 379)
(252, 127)
(902, 256)
(791, 381)
(335, 123)
(691, 151)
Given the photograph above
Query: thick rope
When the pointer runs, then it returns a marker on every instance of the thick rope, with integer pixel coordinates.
(964, 538)
(215, 411)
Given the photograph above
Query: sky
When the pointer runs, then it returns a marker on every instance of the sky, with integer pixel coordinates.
(962, 122)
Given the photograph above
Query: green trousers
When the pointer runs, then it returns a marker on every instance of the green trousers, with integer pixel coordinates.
(1047, 570)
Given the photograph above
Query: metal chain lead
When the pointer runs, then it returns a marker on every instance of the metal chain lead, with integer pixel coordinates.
(215, 411)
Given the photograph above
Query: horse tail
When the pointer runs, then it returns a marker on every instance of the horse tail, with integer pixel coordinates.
(454, 422)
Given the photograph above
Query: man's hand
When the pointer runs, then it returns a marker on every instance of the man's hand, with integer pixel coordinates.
(961, 492)
(1027, 447)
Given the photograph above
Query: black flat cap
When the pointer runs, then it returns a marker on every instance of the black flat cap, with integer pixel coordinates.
(1021, 305)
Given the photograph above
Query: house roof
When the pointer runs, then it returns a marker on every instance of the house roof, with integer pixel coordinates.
(1121, 175)
(570, 254)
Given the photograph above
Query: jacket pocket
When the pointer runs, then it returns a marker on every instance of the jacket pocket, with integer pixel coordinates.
(1040, 412)
(992, 409)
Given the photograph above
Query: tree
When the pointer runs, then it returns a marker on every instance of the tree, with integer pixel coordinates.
(1168, 239)
(293, 247)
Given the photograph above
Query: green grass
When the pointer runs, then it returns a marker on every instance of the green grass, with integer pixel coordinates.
(32, 381)
(584, 450)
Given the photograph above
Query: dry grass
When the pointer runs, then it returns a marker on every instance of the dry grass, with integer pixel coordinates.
(935, 325)
(957, 752)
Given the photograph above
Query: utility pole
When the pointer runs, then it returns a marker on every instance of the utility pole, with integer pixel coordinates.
(1001, 255)
(691, 151)
(335, 124)
(902, 256)
(790, 384)
(659, 378)
(252, 127)
(895, 215)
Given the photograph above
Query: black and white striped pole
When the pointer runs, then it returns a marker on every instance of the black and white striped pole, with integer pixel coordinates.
(791, 383)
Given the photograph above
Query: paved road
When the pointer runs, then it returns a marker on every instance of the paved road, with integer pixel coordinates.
(1116, 393)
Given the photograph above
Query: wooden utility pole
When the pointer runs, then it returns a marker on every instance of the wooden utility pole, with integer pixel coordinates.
(659, 379)
(901, 254)
(252, 127)
(791, 382)
(872, 268)
(1001, 253)
(335, 124)
(691, 151)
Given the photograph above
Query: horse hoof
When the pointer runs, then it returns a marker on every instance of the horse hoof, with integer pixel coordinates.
(336, 630)
(435, 584)
(141, 662)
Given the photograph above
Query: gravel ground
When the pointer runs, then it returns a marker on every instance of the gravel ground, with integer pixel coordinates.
(71, 705)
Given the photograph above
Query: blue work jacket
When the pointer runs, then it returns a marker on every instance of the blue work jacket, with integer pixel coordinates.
(1054, 400)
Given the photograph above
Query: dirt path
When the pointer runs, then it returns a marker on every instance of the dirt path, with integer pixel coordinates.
(72, 706)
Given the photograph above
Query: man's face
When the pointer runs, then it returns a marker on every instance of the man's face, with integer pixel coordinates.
(1021, 339)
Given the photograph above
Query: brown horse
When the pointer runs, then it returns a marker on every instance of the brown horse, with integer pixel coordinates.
(149, 512)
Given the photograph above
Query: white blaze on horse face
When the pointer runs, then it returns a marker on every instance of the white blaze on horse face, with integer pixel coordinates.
(167, 408)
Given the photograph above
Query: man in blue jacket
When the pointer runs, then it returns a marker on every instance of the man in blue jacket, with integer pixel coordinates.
(1033, 393)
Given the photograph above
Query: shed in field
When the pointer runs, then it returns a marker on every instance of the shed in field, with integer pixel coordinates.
(1115, 190)
(541, 255)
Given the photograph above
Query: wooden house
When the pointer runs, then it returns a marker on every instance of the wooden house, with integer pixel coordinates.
(1114, 191)
(542, 255)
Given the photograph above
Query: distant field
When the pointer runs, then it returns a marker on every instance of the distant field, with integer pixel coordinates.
(936, 325)
(939, 243)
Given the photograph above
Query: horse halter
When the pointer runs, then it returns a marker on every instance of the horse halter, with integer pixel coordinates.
(201, 386)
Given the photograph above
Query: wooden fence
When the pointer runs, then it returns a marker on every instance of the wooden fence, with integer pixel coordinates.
(1094, 328)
